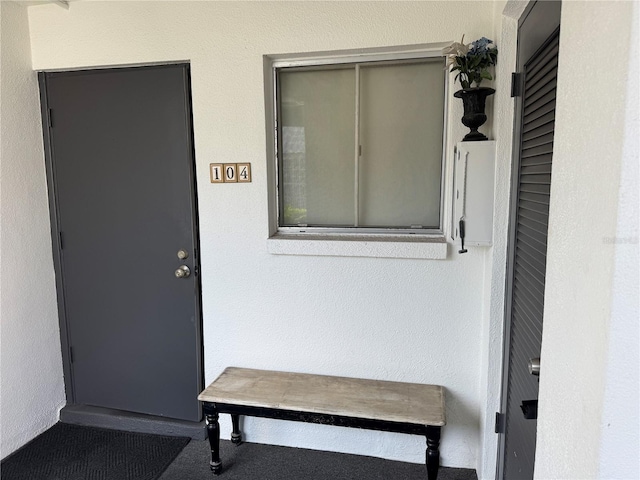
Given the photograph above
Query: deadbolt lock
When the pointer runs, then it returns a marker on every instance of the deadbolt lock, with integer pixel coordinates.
(183, 254)
(183, 271)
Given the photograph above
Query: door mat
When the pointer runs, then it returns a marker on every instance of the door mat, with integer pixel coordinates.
(73, 452)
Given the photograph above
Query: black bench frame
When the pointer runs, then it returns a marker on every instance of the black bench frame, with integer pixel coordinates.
(212, 411)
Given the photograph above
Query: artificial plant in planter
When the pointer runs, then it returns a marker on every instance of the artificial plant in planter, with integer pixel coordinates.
(472, 62)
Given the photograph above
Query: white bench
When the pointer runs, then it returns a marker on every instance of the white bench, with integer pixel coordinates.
(348, 402)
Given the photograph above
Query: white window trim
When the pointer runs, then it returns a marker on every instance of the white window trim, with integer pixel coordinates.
(397, 243)
(418, 247)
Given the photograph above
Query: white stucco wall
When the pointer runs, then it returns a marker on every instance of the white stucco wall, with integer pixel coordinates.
(32, 388)
(620, 424)
(590, 300)
(395, 319)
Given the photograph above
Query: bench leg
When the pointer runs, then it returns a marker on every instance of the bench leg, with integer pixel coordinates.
(236, 435)
(213, 432)
(433, 452)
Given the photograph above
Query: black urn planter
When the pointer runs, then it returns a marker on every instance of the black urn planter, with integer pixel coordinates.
(473, 101)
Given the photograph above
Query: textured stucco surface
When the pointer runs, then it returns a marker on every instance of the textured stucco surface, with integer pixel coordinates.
(584, 306)
(393, 319)
(620, 424)
(32, 389)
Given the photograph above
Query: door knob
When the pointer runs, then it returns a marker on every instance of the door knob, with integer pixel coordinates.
(534, 366)
(183, 271)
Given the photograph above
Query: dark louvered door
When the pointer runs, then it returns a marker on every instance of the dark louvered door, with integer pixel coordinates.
(528, 256)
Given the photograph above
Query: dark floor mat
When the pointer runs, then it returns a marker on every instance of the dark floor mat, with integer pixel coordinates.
(72, 452)
(253, 461)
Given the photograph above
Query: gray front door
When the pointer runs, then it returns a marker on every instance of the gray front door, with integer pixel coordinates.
(538, 44)
(121, 167)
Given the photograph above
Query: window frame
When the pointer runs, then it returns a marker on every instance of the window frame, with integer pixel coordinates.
(322, 60)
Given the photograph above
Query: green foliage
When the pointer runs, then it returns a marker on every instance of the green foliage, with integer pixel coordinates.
(294, 216)
(472, 62)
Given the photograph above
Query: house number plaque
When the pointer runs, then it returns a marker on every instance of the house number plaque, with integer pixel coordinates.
(230, 172)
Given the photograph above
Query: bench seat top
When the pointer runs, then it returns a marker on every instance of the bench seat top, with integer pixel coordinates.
(350, 397)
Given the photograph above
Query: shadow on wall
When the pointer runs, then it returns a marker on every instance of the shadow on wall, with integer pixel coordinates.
(466, 421)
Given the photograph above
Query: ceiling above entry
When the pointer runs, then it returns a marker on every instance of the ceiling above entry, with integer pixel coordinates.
(29, 3)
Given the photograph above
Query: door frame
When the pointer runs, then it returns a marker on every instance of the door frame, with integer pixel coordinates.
(56, 241)
(523, 53)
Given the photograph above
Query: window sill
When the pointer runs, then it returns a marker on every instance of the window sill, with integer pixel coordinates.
(417, 247)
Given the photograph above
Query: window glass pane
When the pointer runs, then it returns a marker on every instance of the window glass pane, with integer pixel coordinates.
(317, 129)
(401, 131)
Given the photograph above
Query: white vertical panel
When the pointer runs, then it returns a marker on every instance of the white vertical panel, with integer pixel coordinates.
(473, 192)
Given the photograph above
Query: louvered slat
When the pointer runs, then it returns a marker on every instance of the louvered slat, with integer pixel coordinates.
(544, 95)
(541, 117)
(538, 168)
(540, 77)
(531, 303)
(537, 160)
(531, 194)
(543, 179)
(542, 64)
(546, 56)
(533, 206)
(530, 271)
(536, 219)
(532, 243)
(538, 264)
(537, 150)
(541, 84)
(538, 139)
(538, 132)
(532, 233)
(532, 309)
(529, 284)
